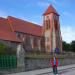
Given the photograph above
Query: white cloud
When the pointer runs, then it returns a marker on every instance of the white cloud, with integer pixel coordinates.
(68, 33)
(3, 14)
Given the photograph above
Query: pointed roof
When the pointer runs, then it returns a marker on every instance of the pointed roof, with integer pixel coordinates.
(50, 9)
(20, 25)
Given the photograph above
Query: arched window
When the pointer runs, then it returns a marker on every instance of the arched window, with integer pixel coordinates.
(47, 24)
(56, 24)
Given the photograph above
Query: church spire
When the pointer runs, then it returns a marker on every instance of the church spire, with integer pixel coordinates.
(49, 10)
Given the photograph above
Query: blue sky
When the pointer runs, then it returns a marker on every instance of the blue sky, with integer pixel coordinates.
(32, 10)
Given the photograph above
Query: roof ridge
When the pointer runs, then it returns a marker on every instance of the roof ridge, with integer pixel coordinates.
(24, 21)
(25, 26)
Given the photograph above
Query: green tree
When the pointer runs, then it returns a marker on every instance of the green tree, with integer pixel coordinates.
(65, 46)
(73, 46)
(8, 50)
(2, 48)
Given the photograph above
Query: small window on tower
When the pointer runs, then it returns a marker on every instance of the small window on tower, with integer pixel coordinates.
(47, 17)
(46, 24)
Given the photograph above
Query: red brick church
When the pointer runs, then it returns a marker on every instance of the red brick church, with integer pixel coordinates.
(14, 31)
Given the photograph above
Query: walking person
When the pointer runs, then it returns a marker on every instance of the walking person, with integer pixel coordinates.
(54, 63)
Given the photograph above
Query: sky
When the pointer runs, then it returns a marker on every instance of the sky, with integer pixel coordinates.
(32, 11)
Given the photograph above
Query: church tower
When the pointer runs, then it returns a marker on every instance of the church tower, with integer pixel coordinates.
(51, 30)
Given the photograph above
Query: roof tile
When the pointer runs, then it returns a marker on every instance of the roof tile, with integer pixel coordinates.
(25, 27)
(50, 9)
(4, 25)
(9, 36)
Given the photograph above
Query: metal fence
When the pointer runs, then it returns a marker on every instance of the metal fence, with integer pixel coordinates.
(8, 61)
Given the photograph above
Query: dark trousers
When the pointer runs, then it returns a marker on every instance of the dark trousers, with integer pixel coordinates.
(55, 69)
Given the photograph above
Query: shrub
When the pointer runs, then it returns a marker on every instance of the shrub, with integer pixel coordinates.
(7, 50)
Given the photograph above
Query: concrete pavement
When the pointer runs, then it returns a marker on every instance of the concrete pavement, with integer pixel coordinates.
(70, 71)
(43, 71)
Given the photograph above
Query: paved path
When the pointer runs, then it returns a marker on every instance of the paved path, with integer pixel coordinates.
(63, 70)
